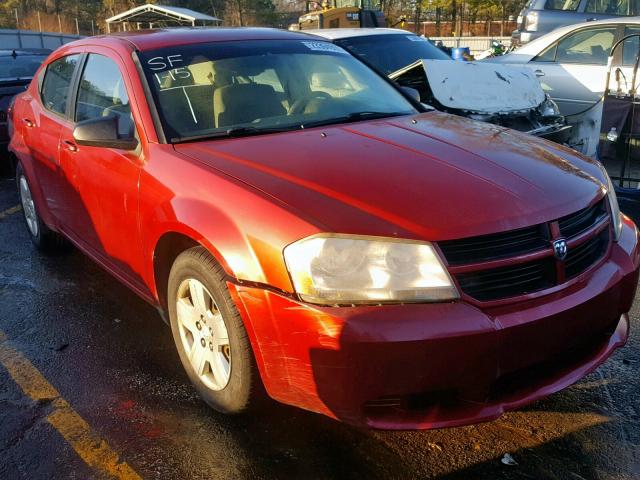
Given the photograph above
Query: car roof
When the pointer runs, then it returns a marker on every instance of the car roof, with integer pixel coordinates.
(538, 44)
(339, 33)
(165, 37)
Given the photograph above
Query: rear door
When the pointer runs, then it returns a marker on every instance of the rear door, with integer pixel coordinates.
(624, 61)
(42, 124)
(573, 69)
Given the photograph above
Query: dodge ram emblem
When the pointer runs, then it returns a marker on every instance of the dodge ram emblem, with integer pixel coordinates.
(560, 249)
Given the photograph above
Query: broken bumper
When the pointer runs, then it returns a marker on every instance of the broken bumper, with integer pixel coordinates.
(439, 365)
(558, 133)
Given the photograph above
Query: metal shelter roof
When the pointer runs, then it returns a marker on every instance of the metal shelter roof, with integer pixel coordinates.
(163, 15)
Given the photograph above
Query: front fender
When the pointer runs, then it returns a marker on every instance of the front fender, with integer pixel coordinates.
(244, 229)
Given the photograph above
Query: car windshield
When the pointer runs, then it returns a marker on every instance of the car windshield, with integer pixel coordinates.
(19, 65)
(251, 87)
(389, 53)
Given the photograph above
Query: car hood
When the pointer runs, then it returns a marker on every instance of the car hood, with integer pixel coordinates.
(431, 176)
(480, 87)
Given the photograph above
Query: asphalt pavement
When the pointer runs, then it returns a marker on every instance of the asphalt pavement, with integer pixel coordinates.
(91, 387)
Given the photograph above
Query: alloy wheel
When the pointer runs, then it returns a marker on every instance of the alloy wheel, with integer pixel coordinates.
(28, 207)
(203, 334)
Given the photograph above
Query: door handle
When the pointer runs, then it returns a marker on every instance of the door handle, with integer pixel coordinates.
(539, 73)
(69, 145)
(592, 19)
(28, 123)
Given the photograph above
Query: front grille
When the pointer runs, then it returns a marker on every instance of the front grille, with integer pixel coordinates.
(466, 256)
(496, 246)
(586, 254)
(486, 285)
(579, 222)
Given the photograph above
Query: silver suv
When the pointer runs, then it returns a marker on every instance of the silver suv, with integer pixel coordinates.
(541, 16)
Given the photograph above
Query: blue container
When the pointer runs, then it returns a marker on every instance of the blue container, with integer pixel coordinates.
(457, 53)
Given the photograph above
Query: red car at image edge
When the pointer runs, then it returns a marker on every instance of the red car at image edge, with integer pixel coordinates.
(310, 231)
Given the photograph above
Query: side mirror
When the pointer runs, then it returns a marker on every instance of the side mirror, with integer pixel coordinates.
(103, 132)
(411, 92)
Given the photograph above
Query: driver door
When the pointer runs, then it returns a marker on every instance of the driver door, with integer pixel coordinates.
(573, 69)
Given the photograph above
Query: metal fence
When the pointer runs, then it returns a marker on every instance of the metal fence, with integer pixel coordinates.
(29, 39)
(475, 44)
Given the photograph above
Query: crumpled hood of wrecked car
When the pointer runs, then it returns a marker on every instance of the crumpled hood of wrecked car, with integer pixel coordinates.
(483, 87)
(430, 176)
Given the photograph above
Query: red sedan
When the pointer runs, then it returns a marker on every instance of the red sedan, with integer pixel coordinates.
(306, 227)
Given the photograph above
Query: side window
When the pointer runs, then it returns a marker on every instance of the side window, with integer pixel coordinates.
(102, 92)
(57, 83)
(630, 46)
(608, 7)
(566, 5)
(591, 46)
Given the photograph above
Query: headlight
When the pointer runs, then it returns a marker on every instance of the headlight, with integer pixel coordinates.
(549, 108)
(616, 215)
(342, 269)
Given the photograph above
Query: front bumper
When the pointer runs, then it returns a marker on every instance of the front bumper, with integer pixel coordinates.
(439, 365)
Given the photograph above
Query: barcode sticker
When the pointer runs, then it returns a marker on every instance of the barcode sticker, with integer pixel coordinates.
(324, 47)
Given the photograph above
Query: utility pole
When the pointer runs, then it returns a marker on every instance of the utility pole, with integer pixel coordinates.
(418, 16)
(17, 19)
(39, 22)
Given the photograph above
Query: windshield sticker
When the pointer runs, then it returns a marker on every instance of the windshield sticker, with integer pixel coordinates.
(162, 63)
(324, 47)
(414, 38)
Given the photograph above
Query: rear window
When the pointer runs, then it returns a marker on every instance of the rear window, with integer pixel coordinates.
(565, 5)
(20, 66)
(389, 53)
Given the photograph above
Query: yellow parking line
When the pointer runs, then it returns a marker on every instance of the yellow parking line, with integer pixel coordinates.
(74, 429)
(10, 211)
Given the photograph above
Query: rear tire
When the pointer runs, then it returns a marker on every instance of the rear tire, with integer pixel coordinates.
(209, 333)
(44, 239)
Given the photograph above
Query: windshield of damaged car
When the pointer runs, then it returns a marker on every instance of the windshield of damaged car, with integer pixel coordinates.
(19, 66)
(251, 87)
(389, 53)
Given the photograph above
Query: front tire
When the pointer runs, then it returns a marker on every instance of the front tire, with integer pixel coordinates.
(44, 239)
(209, 333)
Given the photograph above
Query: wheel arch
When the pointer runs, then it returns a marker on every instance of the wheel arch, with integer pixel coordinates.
(168, 248)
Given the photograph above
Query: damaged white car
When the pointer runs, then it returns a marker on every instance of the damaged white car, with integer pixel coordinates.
(508, 96)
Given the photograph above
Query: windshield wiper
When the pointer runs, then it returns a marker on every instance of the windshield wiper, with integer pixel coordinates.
(354, 117)
(246, 131)
(236, 132)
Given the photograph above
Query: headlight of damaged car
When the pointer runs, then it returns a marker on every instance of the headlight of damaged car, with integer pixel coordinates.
(341, 269)
(549, 108)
